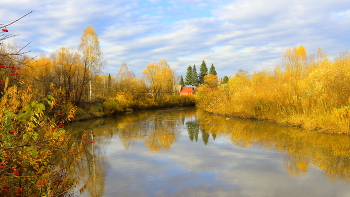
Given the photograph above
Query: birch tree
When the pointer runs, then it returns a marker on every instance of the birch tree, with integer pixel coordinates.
(91, 57)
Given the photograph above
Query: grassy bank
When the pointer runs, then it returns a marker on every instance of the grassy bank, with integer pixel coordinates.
(309, 91)
(123, 103)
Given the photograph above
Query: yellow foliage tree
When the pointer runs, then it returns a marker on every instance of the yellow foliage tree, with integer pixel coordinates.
(68, 70)
(211, 80)
(91, 58)
(159, 78)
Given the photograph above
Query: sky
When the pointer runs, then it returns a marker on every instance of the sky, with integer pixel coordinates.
(251, 35)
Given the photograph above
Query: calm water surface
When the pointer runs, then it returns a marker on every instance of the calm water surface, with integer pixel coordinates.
(186, 152)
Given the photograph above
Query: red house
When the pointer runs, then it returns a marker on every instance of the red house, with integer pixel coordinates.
(187, 91)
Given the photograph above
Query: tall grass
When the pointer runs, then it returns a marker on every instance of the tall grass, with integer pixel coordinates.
(307, 91)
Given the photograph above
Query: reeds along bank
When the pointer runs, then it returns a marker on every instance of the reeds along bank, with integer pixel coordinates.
(310, 91)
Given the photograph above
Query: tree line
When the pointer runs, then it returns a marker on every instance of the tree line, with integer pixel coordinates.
(192, 78)
(309, 91)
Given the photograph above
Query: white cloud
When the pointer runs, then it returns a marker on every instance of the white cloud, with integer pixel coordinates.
(242, 34)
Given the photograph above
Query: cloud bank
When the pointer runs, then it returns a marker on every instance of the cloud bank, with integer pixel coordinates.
(244, 34)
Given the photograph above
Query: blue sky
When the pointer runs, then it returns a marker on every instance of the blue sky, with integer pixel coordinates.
(243, 34)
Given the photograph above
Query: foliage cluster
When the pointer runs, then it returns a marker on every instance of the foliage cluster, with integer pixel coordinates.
(33, 147)
(33, 144)
(308, 91)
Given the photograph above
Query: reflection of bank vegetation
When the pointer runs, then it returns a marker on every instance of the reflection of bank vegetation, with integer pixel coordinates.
(161, 128)
(92, 171)
(309, 91)
(158, 129)
(330, 153)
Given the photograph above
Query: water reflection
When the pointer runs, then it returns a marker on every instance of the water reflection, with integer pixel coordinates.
(158, 129)
(330, 153)
(208, 152)
(93, 171)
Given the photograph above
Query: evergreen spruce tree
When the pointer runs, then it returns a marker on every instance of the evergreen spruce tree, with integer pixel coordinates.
(188, 79)
(182, 83)
(203, 71)
(109, 80)
(224, 80)
(194, 76)
(212, 70)
(109, 83)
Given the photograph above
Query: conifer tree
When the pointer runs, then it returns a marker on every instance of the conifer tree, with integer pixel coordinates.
(224, 80)
(109, 85)
(212, 70)
(182, 83)
(188, 79)
(203, 71)
(194, 76)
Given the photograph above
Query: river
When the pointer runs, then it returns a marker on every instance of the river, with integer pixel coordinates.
(187, 152)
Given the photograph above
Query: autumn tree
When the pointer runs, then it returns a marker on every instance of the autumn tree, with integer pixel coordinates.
(211, 80)
(67, 69)
(139, 88)
(295, 61)
(102, 85)
(32, 144)
(203, 71)
(91, 58)
(124, 78)
(212, 70)
(159, 78)
(38, 74)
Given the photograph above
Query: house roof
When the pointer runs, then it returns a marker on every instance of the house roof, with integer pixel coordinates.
(187, 90)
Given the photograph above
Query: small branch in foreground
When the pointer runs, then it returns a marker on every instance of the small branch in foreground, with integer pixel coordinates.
(17, 19)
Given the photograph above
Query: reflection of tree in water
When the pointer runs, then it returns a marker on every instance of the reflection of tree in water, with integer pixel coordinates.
(93, 170)
(193, 130)
(296, 165)
(205, 136)
(330, 153)
(159, 129)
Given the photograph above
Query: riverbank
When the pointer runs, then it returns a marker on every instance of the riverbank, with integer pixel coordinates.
(306, 92)
(112, 107)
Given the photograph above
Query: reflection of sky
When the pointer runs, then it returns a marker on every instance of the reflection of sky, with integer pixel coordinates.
(216, 169)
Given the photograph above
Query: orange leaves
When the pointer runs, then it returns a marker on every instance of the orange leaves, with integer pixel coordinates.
(211, 80)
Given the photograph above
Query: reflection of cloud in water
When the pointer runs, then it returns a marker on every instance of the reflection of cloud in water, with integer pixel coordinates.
(220, 168)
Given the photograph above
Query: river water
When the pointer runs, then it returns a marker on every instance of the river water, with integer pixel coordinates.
(187, 152)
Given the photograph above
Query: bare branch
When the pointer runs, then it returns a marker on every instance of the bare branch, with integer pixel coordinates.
(7, 54)
(8, 36)
(24, 47)
(17, 19)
